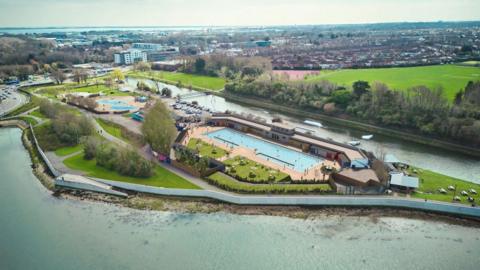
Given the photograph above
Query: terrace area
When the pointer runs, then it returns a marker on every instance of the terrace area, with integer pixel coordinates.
(286, 159)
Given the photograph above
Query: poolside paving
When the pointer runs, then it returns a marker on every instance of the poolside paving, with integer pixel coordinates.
(313, 173)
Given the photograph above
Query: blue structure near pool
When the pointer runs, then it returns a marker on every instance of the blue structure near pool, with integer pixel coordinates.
(116, 105)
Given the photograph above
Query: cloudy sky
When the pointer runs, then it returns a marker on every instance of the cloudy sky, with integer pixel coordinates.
(40, 13)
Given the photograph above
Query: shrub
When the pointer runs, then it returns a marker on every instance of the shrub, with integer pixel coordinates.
(90, 146)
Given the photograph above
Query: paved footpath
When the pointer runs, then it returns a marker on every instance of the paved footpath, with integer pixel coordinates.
(57, 162)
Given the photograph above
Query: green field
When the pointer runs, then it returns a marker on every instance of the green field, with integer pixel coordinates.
(53, 91)
(430, 182)
(196, 81)
(160, 178)
(205, 149)
(451, 77)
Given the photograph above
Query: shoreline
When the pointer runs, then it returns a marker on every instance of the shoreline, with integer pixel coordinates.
(205, 206)
(142, 201)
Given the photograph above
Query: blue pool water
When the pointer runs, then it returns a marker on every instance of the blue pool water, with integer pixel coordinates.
(116, 105)
(276, 153)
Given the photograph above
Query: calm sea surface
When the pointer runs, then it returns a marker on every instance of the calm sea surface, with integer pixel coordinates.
(38, 231)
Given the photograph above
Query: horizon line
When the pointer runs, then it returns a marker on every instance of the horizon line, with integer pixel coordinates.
(239, 26)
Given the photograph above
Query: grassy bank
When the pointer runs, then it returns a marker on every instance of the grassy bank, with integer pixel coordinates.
(198, 82)
(250, 171)
(160, 178)
(120, 132)
(430, 183)
(451, 78)
(69, 88)
(353, 124)
(67, 150)
(205, 149)
(227, 183)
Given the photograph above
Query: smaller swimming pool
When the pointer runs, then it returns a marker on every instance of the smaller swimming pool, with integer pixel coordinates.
(116, 105)
(276, 153)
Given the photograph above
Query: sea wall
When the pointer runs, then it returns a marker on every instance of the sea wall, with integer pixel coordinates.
(305, 200)
(44, 157)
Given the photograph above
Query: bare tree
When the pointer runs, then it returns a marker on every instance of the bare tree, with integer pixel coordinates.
(59, 76)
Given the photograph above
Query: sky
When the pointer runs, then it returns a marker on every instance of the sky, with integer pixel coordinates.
(45, 13)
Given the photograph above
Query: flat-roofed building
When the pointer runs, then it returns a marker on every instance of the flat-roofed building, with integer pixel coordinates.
(345, 155)
(129, 57)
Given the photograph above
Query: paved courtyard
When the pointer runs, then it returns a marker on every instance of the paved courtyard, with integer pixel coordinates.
(312, 173)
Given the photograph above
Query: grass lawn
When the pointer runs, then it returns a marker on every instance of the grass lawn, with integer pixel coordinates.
(199, 81)
(112, 129)
(161, 177)
(67, 150)
(221, 180)
(38, 114)
(205, 149)
(430, 182)
(251, 171)
(451, 77)
(53, 91)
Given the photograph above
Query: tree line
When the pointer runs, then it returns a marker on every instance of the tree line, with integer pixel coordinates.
(228, 67)
(68, 126)
(418, 109)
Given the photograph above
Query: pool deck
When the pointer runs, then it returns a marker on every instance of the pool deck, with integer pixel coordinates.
(127, 100)
(313, 173)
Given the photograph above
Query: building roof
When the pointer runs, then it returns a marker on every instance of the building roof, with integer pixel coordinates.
(350, 153)
(399, 179)
(362, 176)
(243, 122)
(389, 158)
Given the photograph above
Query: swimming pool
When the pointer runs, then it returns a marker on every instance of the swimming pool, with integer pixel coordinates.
(270, 151)
(116, 105)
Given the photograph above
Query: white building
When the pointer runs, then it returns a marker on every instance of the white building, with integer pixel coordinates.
(153, 47)
(129, 57)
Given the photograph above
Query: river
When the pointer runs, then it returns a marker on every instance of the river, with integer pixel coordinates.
(39, 231)
(428, 157)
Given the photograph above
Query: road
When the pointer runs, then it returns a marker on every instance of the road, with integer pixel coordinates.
(12, 101)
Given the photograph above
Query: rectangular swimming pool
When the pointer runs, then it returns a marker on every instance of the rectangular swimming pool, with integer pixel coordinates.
(296, 160)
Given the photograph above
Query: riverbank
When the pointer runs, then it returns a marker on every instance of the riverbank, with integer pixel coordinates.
(352, 124)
